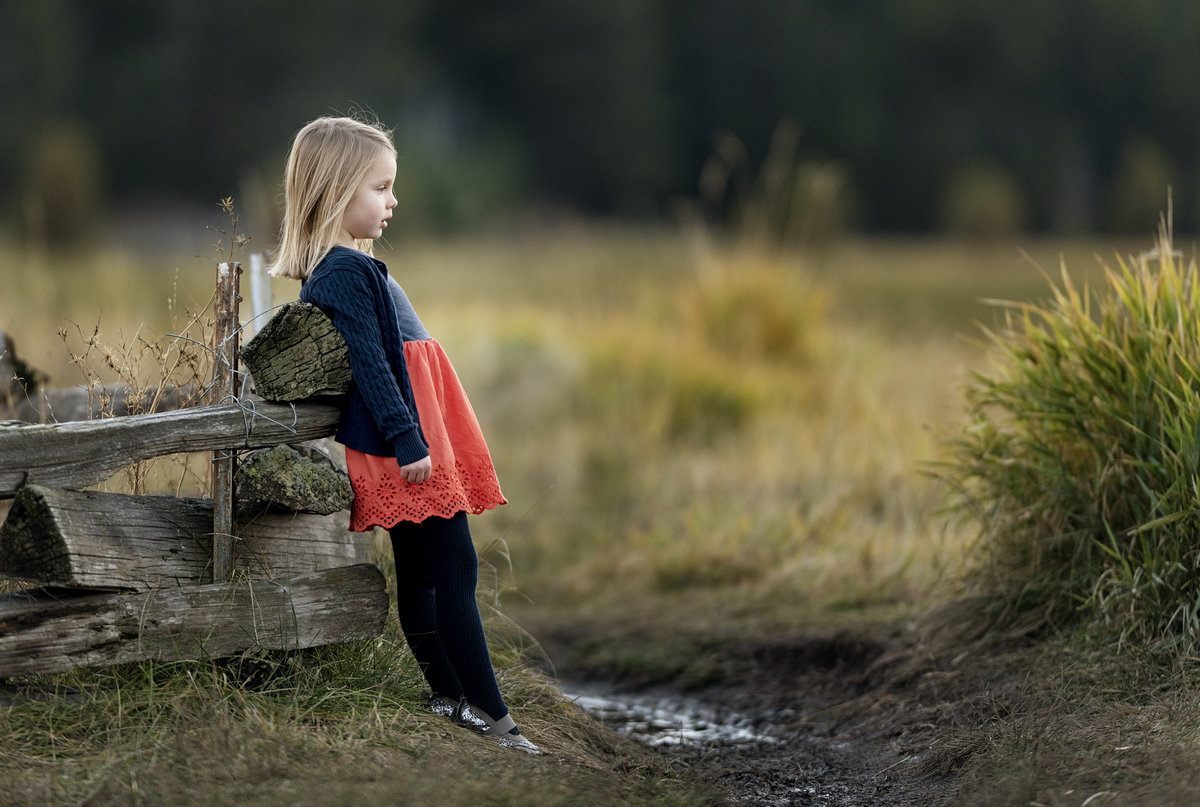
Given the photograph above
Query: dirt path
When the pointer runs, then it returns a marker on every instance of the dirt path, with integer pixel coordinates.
(836, 720)
(838, 740)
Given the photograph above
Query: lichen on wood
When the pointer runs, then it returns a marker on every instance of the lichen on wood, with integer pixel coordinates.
(298, 355)
(293, 477)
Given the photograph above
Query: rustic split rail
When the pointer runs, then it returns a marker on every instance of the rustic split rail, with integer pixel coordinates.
(119, 578)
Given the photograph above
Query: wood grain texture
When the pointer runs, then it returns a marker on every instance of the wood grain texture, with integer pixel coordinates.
(224, 463)
(111, 541)
(52, 632)
(298, 355)
(74, 455)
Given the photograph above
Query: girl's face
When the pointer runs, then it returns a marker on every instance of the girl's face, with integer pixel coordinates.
(371, 206)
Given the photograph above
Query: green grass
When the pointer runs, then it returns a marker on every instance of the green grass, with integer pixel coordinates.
(1080, 456)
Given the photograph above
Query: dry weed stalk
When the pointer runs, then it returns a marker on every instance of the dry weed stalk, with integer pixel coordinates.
(137, 376)
(146, 376)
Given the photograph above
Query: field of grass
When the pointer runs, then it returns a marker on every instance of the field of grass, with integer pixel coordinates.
(728, 432)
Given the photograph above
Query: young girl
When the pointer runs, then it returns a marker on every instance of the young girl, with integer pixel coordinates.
(414, 451)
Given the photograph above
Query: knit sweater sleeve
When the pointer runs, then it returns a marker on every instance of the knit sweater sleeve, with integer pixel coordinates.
(347, 298)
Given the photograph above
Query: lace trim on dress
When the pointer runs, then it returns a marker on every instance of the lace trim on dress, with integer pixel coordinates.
(384, 500)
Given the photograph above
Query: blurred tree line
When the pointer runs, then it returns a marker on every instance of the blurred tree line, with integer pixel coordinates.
(977, 116)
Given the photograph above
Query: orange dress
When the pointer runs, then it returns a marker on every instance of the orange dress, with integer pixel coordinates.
(463, 476)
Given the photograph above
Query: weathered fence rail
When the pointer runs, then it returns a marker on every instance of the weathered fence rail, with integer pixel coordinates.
(89, 539)
(127, 577)
(44, 632)
(74, 455)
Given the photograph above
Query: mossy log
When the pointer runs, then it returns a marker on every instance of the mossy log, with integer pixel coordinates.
(47, 632)
(112, 541)
(298, 355)
(74, 455)
(299, 478)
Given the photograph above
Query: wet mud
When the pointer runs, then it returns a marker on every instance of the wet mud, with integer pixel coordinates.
(774, 758)
(812, 720)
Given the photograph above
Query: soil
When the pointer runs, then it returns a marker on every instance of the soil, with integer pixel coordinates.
(844, 718)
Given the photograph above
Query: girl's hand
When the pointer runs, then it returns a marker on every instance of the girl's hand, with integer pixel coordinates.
(417, 472)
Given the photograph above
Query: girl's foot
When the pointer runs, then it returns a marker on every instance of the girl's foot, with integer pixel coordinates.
(504, 730)
(443, 706)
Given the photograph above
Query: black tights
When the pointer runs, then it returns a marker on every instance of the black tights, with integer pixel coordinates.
(436, 574)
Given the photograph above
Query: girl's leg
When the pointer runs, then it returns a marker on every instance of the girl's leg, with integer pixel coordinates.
(416, 603)
(443, 549)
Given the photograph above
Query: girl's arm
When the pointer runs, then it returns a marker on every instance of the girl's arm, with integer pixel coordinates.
(347, 299)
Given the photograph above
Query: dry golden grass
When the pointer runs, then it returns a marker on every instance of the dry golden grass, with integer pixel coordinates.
(662, 413)
(668, 421)
(720, 419)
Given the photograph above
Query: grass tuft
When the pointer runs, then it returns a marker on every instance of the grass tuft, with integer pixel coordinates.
(1081, 452)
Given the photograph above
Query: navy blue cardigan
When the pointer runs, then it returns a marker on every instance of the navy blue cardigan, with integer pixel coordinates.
(379, 415)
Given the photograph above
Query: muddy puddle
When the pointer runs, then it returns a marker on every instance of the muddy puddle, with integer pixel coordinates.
(667, 719)
(766, 759)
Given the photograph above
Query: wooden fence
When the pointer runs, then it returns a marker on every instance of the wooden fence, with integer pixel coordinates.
(114, 578)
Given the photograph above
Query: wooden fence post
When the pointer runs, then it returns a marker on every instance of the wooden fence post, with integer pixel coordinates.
(226, 341)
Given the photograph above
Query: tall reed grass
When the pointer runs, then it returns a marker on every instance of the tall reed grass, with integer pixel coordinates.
(1081, 452)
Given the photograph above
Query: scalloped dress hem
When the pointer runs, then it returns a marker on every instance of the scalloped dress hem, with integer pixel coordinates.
(463, 478)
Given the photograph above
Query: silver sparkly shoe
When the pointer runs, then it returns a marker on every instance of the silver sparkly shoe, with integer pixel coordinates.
(443, 706)
(499, 730)
(469, 717)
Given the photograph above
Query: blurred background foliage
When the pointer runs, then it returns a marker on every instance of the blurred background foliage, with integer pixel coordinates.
(978, 117)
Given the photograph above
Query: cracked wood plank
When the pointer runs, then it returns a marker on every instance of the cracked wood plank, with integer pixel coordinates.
(46, 631)
(113, 541)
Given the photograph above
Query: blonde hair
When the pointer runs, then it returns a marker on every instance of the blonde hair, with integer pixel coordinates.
(328, 160)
